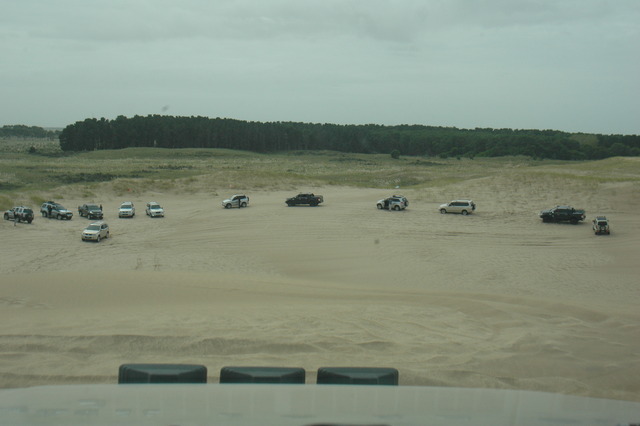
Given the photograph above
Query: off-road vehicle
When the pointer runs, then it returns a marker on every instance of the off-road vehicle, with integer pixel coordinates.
(395, 202)
(601, 225)
(127, 209)
(95, 232)
(309, 199)
(237, 200)
(154, 209)
(51, 209)
(90, 211)
(464, 207)
(19, 214)
(563, 214)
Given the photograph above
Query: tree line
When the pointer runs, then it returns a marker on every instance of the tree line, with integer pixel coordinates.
(21, 131)
(412, 140)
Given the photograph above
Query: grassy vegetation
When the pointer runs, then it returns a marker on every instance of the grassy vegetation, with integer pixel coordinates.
(31, 177)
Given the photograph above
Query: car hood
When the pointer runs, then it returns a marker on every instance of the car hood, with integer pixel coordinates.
(90, 232)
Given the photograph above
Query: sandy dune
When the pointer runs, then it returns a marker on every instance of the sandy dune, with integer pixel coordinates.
(497, 299)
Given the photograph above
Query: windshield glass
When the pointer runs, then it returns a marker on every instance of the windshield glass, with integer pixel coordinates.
(523, 106)
(93, 228)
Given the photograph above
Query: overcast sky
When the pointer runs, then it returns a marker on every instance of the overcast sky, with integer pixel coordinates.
(571, 65)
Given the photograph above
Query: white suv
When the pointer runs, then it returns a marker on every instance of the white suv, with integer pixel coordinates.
(463, 207)
(154, 209)
(127, 209)
(237, 200)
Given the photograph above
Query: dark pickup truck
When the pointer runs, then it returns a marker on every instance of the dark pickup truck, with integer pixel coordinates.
(90, 211)
(562, 214)
(305, 199)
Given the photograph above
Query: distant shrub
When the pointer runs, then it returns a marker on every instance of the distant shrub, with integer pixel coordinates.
(395, 154)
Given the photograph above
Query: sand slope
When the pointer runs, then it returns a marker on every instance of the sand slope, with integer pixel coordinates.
(495, 299)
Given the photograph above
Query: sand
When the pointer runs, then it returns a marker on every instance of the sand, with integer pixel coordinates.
(496, 299)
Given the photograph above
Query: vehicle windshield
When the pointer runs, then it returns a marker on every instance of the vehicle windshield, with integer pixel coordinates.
(28, 211)
(525, 106)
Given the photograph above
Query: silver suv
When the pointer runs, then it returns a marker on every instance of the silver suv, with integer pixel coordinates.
(154, 209)
(52, 209)
(238, 200)
(463, 207)
(19, 214)
(95, 232)
(127, 209)
(395, 202)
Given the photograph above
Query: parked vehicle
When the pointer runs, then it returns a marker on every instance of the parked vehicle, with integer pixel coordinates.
(464, 207)
(127, 209)
(601, 225)
(154, 209)
(51, 209)
(395, 202)
(563, 214)
(90, 211)
(95, 232)
(309, 199)
(238, 200)
(19, 214)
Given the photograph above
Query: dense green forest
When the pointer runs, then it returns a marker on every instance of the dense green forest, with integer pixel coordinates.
(414, 140)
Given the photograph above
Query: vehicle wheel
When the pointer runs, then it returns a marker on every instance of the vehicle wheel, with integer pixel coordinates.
(442, 211)
(227, 206)
(396, 208)
(58, 217)
(379, 206)
(30, 220)
(107, 236)
(98, 239)
(6, 216)
(243, 205)
(464, 212)
(574, 221)
(313, 204)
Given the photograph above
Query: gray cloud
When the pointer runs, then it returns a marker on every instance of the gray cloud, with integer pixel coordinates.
(570, 65)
